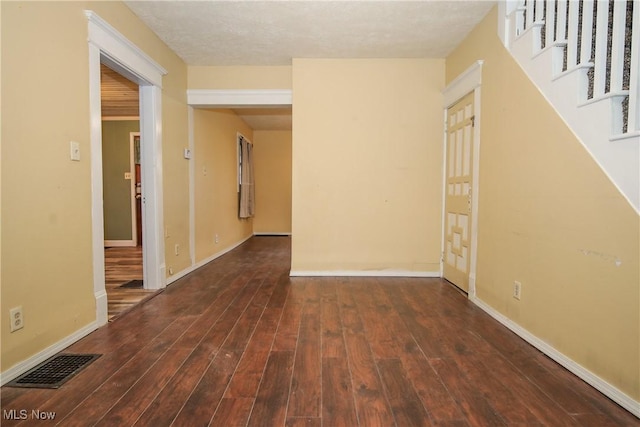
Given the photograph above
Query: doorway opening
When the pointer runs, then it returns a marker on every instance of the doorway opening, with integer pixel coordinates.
(110, 48)
(122, 193)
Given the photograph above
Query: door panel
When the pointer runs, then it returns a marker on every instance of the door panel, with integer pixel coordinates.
(457, 256)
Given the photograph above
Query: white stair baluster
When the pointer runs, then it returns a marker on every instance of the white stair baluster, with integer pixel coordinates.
(617, 46)
(529, 14)
(550, 22)
(561, 21)
(587, 31)
(634, 82)
(572, 36)
(600, 60)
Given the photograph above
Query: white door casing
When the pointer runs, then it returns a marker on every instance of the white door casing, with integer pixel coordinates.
(468, 82)
(108, 46)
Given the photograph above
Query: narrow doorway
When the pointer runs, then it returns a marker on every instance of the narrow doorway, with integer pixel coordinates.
(122, 210)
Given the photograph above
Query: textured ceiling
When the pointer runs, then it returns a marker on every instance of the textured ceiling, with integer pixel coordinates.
(215, 32)
(223, 32)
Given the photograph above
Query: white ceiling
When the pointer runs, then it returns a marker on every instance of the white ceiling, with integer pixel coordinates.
(219, 32)
(223, 32)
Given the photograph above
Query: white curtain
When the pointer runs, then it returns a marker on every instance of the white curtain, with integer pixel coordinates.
(247, 185)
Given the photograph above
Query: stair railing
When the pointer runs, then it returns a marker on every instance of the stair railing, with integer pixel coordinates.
(601, 39)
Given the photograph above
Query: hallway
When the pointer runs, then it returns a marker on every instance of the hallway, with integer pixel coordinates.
(121, 265)
(238, 342)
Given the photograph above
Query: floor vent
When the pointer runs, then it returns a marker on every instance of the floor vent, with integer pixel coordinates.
(54, 372)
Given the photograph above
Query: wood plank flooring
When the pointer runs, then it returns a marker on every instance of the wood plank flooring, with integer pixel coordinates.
(122, 264)
(239, 343)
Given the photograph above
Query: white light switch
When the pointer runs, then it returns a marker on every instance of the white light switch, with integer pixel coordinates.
(187, 153)
(75, 151)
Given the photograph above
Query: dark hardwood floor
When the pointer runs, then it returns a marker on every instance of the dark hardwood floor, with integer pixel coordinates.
(239, 343)
(122, 264)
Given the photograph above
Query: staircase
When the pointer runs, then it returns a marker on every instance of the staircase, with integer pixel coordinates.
(584, 56)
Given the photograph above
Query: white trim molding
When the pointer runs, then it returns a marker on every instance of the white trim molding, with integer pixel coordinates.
(207, 260)
(33, 361)
(118, 50)
(239, 98)
(119, 243)
(363, 273)
(262, 233)
(107, 46)
(120, 118)
(622, 399)
(470, 79)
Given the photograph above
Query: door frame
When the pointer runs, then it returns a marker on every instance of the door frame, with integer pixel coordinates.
(468, 81)
(110, 47)
(132, 186)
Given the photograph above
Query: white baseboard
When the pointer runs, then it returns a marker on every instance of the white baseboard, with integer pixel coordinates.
(118, 243)
(20, 368)
(102, 307)
(622, 399)
(363, 273)
(271, 234)
(199, 264)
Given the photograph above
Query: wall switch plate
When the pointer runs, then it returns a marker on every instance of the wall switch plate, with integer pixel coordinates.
(74, 148)
(187, 153)
(177, 249)
(127, 175)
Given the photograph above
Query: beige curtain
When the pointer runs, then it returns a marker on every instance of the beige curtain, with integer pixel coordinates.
(247, 187)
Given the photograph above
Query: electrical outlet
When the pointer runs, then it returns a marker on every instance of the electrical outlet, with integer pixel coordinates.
(216, 238)
(517, 289)
(17, 318)
(177, 249)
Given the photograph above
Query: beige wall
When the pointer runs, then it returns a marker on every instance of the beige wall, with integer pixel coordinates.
(116, 191)
(272, 168)
(240, 77)
(45, 91)
(549, 217)
(216, 180)
(367, 164)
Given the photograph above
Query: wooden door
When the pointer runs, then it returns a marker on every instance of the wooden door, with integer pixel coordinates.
(459, 158)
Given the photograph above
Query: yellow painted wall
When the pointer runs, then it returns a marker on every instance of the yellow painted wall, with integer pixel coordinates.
(240, 77)
(216, 180)
(116, 190)
(550, 218)
(367, 164)
(272, 168)
(46, 207)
